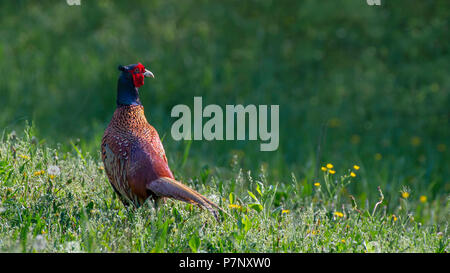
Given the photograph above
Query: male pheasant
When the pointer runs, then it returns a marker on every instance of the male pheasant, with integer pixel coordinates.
(133, 155)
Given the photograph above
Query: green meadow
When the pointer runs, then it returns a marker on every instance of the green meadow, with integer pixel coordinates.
(363, 93)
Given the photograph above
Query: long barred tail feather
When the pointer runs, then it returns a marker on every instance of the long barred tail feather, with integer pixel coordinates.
(168, 187)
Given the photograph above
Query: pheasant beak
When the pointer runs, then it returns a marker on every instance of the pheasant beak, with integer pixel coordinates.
(148, 74)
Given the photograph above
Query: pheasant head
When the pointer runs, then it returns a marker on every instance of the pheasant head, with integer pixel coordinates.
(130, 79)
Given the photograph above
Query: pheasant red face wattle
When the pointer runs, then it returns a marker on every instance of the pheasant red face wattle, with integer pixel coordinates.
(138, 75)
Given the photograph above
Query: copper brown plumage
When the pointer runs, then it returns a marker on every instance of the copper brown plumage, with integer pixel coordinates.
(133, 155)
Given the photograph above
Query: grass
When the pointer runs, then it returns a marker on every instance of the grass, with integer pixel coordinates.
(74, 209)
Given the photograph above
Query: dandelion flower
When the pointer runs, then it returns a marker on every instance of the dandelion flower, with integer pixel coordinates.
(434, 87)
(330, 166)
(317, 184)
(356, 167)
(415, 141)
(338, 214)
(394, 217)
(334, 123)
(37, 173)
(285, 211)
(378, 156)
(355, 139)
(324, 168)
(54, 170)
(332, 171)
(423, 199)
(352, 174)
(24, 157)
(405, 194)
(442, 147)
(343, 241)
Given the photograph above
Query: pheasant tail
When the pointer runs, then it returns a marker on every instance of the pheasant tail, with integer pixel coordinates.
(168, 187)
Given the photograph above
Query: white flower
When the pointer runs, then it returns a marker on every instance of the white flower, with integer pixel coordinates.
(53, 170)
(214, 198)
(73, 247)
(39, 243)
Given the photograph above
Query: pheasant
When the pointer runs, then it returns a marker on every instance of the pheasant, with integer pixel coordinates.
(132, 152)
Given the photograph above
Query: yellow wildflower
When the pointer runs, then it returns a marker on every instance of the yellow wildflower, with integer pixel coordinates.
(317, 184)
(324, 168)
(332, 171)
(52, 176)
(355, 139)
(415, 141)
(434, 87)
(37, 173)
(343, 241)
(330, 166)
(378, 156)
(352, 174)
(338, 214)
(285, 211)
(101, 168)
(356, 167)
(442, 147)
(405, 194)
(24, 157)
(394, 217)
(423, 199)
(234, 206)
(334, 123)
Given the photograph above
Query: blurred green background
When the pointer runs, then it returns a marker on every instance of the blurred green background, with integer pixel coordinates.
(356, 84)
